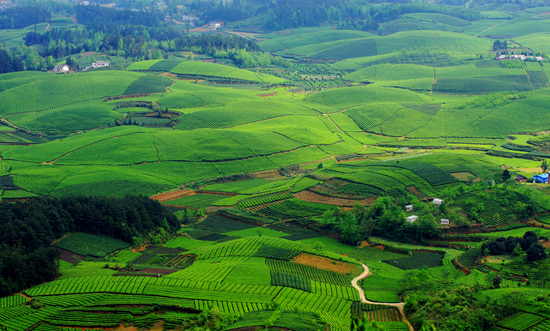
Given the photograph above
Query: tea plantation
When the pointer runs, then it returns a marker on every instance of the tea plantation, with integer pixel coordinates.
(400, 163)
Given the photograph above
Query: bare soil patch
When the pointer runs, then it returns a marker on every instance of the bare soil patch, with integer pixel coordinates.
(267, 174)
(318, 198)
(69, 256)
(172, 195)
(168, 75)
(464, 176)
(85, 54)
(157, 327)
(325, 263)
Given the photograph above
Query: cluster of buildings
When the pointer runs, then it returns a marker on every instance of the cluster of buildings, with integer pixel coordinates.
(190, 19)
(215, 24)
(65, 68)
(413, 218)
(519, 57)
(97, 65)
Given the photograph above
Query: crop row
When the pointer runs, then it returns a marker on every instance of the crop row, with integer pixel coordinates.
(294, 208)
(231, 248)
(289, 297)
(27, 321)
(542, 326)
(4, 171)
(308, 272)
(476, 146)
(78, 318)
(101, 283)
(249, 289)
(200, 294)
(521, 321)
(385, 315)
(336, 322)
(12, 312)
(229, 307)
(544, 218)
(107, 287)
(12, 301)
(287, 280)
(348, 293)
(60, 90)
(416, 261)
(105, 299)
(471, 244)
(262, 199)
(181, 261)
(277, 253)
(469, 257)
(126, 256)
(210, 270)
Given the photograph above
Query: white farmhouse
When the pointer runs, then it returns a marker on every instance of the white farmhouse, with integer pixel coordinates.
(444, 221)
(61, 68)
(409, 207)
(412, 218)
(438, 202)
(100, 64)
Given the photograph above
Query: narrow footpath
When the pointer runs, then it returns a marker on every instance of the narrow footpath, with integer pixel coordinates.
(399, 306)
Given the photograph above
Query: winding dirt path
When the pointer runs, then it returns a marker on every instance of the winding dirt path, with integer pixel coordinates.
(485, 30)
(399, 305)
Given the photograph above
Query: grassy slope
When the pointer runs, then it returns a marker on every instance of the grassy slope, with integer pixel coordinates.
(197, 68)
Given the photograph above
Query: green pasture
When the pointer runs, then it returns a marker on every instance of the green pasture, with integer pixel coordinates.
(304, 39)
(439, 41)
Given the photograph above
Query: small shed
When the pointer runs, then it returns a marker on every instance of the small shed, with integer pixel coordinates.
(520, 178)
(438, 202)
(542, 178)
(61, 68)
(100, 64)
(409, 207)
(444, 221)
(412, 218)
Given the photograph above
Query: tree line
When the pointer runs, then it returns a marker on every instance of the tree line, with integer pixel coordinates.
(528, 245)
(21, 17)
(10, 62)
(29, 227)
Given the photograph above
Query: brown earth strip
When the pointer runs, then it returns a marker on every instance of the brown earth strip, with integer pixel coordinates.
(172, 195)
(326, 264)
(69, 256)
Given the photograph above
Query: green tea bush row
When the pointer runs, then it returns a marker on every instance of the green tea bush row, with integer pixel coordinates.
(287, 280)
(12, 301)
(308, 272)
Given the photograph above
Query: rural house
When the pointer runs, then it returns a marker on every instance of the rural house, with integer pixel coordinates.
(444, 221)
(61, 68)
(542, 178)
(412, 218)
(409, 207)
(520, 178)
(438, 202)
(215, 24)
(100, 64)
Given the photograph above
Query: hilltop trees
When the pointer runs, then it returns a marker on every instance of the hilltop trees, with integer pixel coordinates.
(9, 62)
(385, 218)
(20, 17)
(29, 227)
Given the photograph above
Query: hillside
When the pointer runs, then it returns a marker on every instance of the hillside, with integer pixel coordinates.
(302, 166)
